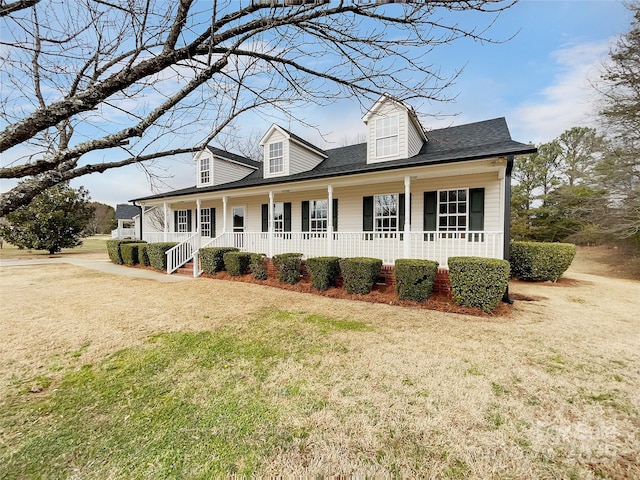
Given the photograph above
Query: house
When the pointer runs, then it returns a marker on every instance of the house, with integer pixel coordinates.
(125, 215)
(405, 193)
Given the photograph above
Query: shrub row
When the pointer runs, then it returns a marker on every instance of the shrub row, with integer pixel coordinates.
(323, 271)
(478, 282)
(541, 262)
(157, 254)
(359, 273)
(212, 259)
(288, 267)
(114, 249)
(415, 278)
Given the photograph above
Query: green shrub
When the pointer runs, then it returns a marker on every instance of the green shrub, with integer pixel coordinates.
(130, 253)
(288, 267)
(541, 262)
(212, 258)
(143, 254)
(359, 273)
(237, 263)
(114, 251)
(323, 271)
(478, 282)
(258, 266)
(157, 254)
(415, 278)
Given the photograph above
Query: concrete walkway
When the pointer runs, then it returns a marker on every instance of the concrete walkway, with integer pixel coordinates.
(100, 265)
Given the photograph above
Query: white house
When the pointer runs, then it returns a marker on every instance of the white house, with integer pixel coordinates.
(405, 193)
(125, 215)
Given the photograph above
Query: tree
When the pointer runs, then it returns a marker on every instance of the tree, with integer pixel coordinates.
(581, 149)
(103, 219)
(620, 171)
(97, 84)
(55, 219)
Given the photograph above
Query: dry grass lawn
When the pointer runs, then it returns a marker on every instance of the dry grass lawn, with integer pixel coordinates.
(551, 391)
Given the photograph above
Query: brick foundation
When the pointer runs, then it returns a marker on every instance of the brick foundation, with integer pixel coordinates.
(441, 285)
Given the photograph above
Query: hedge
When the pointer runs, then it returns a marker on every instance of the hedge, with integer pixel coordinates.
(157, 254)
(258, 266)
(212, 258)
(288, 267)
(415, 278)
(359, 273)
(130, 253)
(478, 282)
(113, 249)
(323, 271)
(541, 262)
(237, 263)
(143, 254)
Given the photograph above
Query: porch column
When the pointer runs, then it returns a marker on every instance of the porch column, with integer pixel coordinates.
(141, 222)
(270, 225)
(198, 218)
(165, 230)
(224, 214)
(330, 220)
(407, 217)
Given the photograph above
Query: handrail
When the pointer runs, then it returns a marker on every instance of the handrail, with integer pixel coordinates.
(182, 253)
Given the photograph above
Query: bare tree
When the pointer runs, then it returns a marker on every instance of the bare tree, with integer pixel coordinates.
(91, 85)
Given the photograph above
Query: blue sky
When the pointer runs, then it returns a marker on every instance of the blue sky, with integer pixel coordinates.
(539, 80)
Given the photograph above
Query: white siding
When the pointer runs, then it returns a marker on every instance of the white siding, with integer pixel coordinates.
(276, 136)
(225, 171)
(387, 109)
(301, 159)
(198, 157)
(415, 140)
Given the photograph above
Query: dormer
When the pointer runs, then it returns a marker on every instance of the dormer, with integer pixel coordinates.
(393, 131)
(287, 154)
(215, 167)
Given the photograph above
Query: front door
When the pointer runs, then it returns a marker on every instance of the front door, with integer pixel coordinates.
(238, 226)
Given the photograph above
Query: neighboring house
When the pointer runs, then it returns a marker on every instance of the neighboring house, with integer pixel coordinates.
(125, 215)
(405, 193)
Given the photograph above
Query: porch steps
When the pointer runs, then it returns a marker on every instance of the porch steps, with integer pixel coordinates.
(186, 270)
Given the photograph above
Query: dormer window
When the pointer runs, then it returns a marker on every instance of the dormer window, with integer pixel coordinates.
(205, 170)
(276, 158)
(387, 136)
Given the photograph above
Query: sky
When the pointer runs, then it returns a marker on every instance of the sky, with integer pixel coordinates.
(541, 80)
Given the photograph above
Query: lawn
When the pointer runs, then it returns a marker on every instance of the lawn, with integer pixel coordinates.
(113, 377)
(91, 245)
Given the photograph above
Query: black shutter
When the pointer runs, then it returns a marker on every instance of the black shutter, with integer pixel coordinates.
(367, 214)
(188, 220)
(430, 214)
(476, 213)
(175, 221)
(265, 217)
(212, 216)
(334, 220)
(401, 212)
(305, 216)
(287, 216)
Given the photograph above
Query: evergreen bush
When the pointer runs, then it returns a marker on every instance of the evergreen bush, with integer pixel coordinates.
(288, 267)
(237, 263)
(258, 266)
(130, 253)
(212, 258)
(323, 271)
(114, 250)
(415, 278)
(541, 262)
(478, 282)
(157, 254)
(360, 273)
(143, 254)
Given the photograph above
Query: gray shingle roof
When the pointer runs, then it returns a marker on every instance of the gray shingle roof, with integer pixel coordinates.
(126, 212)
(486, 139)
(232, 156)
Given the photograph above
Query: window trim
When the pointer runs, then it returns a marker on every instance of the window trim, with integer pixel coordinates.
(313, 222)
(183, 221)
(272, 158)
(396, 216)
(278, 225)
(395, 135)
(205, 171)
(456, 228)
(205, 222)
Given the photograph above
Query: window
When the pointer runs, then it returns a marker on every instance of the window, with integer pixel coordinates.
(386, 213)
(318, 215)
(452, 210)
(183, 220)
(205, 222)
(278, 217)
(387, 136)
(205, 170)
(276, 157)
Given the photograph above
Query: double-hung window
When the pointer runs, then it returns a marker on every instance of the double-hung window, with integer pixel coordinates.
(278, 217)
(318, 215)
(205, 222)
(276, 157)
(452, 210)
(387, 136)
(205, 170)
(183, 220)
(386, 213)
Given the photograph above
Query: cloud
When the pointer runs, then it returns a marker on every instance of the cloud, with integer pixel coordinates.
(569, 100)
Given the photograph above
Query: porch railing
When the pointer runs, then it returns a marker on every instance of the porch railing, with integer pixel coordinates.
(123, 233)
(155, 237)
(182, 253)
(387, 246)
